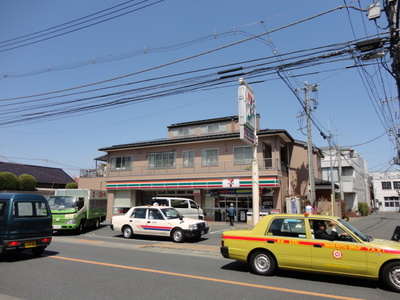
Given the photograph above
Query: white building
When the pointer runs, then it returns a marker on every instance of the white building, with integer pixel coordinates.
(386, 187)
(349, 172)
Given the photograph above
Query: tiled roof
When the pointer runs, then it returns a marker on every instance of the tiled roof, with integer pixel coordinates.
(42, 174)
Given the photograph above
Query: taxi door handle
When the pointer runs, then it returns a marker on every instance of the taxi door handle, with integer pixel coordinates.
(271, 242)
(317, 245)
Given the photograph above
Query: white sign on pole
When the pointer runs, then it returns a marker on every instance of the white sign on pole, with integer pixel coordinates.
(247, 107)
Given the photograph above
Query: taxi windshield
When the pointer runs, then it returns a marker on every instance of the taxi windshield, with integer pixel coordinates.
(355, 231)
(171, 213)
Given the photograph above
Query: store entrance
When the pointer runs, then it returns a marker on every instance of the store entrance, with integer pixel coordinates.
(242, 204)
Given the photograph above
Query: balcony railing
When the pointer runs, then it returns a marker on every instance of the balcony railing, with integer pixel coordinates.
(271, 165)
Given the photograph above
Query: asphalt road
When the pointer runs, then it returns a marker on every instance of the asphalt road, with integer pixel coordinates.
(101, 264)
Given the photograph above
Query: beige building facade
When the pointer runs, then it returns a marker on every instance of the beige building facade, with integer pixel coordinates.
(208, 162)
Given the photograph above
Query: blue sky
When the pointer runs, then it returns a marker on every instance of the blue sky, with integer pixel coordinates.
(60, 48)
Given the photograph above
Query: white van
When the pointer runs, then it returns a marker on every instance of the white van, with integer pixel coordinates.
(187, 207)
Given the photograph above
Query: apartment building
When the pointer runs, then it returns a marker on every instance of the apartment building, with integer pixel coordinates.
(349, 171)
(386, 190)
(208, 162)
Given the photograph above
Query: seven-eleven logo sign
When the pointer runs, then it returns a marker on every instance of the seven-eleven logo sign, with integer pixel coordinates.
(231, 182)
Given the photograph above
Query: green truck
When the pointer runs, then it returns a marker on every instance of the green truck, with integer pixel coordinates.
(77, 209)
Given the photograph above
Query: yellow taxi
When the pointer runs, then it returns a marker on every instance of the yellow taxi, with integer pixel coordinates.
(314, 243)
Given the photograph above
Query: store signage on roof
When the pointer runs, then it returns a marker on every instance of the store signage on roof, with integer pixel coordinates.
(190, 184)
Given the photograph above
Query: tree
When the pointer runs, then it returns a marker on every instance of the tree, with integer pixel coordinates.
(8, 181)
(71, 185)
(27, 182)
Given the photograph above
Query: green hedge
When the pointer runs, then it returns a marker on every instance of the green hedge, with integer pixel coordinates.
(363, 208)
(26, 182)
(8, 181)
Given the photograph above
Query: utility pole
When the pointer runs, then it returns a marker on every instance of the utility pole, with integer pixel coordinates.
(307, 88)
(392, 9)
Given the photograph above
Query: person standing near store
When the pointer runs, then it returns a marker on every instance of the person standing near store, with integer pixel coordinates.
(231, 213)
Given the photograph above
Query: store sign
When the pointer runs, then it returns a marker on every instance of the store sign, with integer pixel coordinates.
(247, 135)
(247, 107)
(230, 182)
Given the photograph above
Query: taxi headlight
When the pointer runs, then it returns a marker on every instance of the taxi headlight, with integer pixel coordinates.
(193, 227)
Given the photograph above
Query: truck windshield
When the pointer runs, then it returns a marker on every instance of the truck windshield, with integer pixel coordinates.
(62, 202)
(171, 213)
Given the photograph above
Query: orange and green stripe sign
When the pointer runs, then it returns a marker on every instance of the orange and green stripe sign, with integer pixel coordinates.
(188, 184)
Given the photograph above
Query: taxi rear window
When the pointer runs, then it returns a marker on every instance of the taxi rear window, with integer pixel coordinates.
(287, 227)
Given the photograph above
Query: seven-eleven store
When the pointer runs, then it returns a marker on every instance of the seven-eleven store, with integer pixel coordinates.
(214, 195)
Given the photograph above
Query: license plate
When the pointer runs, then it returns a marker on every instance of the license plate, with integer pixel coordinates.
(30, 244)
(56, 226)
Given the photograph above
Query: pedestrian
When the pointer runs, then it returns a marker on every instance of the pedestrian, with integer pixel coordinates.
(231, 213)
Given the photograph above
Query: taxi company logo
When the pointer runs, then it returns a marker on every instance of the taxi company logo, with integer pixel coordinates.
(337, 254)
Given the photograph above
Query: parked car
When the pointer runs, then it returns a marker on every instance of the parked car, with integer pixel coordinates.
(160, 221)
(25, 223)
(290, 242)
(187, 207)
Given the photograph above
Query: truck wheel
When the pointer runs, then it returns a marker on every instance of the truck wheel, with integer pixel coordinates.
(79, 230)
(391, 276)
(97, 223)
(178, 236)
(262, 263)
(38, 251)
(127, 232)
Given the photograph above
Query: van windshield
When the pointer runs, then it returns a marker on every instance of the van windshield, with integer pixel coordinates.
(171, 213)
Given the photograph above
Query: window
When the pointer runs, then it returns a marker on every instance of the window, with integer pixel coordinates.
(209, 157)
(188, 158)
(155, 214)
(179, 203)
(288, 227)
(386, 185)
(392, 201)
(162, 160)
(243, 155)
(121, 163)
(29, 209)
(179, 132)
(213, 128)
(327, 174)
(139, 213)
(396, 185)
(3, 206)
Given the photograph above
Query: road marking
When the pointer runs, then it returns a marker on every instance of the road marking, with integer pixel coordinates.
(207, 279)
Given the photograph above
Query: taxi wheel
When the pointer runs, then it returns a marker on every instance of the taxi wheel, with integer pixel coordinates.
(262, 263)
(178, 236)
(127, 232)
(391, 276)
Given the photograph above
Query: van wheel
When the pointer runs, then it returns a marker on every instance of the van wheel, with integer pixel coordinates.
(127, 232)
(38, 251)
(178, 236)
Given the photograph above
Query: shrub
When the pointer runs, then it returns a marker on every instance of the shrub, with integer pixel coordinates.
(27, 182)
(8, 181)
(71, 185)
(363, 208)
